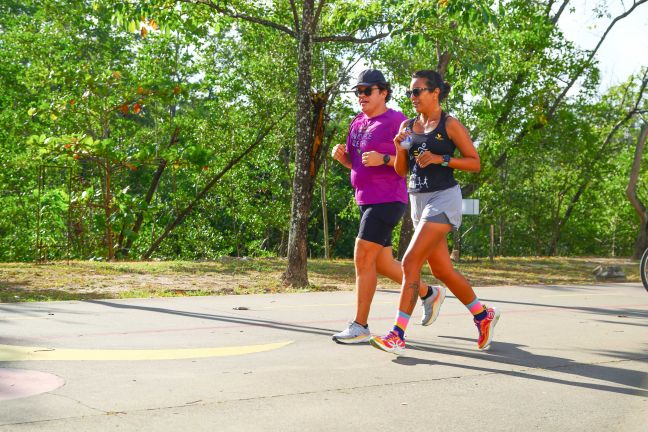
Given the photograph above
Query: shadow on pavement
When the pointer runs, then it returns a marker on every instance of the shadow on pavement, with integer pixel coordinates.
(229, 319)
(513, 354)
(501, 353)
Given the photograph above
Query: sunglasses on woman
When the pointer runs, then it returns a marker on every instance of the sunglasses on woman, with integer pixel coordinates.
(416, 91)
(367, 91)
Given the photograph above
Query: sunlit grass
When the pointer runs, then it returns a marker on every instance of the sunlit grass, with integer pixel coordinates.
(81, 280)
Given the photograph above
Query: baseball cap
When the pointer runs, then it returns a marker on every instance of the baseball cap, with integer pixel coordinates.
(370, 77)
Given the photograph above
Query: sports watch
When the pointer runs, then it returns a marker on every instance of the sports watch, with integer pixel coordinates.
(446, 160)
(386, 159)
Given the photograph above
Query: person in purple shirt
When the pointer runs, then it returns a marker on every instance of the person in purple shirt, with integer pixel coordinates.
(382, 197)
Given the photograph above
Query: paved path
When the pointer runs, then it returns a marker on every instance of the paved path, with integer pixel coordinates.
(565, 358)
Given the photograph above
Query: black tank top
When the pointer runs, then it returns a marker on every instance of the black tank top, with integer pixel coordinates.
(433, 177)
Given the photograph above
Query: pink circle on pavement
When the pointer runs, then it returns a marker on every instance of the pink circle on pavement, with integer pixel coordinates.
(20, 383)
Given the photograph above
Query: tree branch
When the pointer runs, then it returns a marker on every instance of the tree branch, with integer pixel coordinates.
(591, 169)
(630, 113)
(124, 250)
(295, 15)
(549, 6)
(245, 17)
(316, 17)
(539, 125)
(352, 39)
(517, 84)
(189, 208)
(332, 38)
(556, 17)
(559, 99)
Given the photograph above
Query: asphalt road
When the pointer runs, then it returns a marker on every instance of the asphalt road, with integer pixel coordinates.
(564, 358)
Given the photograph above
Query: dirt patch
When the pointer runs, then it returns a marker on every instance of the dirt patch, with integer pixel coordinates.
(81, 279)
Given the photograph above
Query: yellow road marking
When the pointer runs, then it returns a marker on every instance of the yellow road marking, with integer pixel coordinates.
(23, 353)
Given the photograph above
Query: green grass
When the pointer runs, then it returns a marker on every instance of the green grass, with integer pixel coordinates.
(81, 280)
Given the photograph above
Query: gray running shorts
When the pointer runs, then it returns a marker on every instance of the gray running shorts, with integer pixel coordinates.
(442, 206)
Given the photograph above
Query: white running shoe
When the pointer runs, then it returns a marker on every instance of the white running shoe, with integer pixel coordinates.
(353, 334)
(432, 305)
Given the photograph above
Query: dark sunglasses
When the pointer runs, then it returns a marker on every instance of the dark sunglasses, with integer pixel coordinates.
(367, 91)
(416, 91)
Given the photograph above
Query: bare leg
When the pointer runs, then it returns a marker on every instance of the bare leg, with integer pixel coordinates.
(442, 268)
(365, 257)
(391, 268)
(427, 237)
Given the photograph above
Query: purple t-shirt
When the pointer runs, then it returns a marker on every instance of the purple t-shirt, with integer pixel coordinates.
(377, 184)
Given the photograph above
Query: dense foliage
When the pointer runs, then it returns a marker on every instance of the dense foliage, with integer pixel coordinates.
(121, 123)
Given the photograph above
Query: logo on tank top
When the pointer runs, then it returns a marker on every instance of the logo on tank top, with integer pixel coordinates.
(421, 148)
(417, 183)
(439, 137)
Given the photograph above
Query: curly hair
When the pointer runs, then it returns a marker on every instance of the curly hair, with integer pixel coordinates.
(434, 80)
(385, 86)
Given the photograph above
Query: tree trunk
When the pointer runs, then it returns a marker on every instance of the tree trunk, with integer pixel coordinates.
(443, 59)
(125, 250)
(302, 193)
(155, 182)
(555, 237)
(491, 250)
(406, 233)
(455, 255)
(108, 209)
(631, 192)
(327, 248)
(296, 273)
(324, 151)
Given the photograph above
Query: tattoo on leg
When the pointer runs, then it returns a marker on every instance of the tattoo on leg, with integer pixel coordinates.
(413, 289)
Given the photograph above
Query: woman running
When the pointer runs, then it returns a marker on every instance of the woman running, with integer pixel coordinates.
(435, 199)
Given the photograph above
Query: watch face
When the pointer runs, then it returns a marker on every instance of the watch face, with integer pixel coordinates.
(386, 159)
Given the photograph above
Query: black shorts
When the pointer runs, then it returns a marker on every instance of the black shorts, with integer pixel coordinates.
(379, 220)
